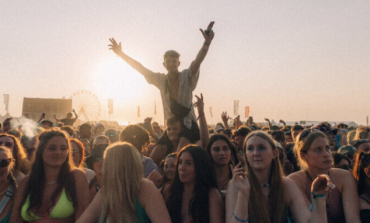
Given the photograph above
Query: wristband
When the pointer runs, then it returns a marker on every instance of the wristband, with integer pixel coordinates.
(241, 220)
(313, 198)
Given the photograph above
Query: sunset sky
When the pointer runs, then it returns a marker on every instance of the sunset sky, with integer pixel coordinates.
(291, 60)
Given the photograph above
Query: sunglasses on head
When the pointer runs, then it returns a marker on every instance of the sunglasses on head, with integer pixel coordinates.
(5, 162)
(7, 144)
(97, 159)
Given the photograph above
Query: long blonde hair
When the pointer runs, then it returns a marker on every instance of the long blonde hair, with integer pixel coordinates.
(260, 210)
(123, 172)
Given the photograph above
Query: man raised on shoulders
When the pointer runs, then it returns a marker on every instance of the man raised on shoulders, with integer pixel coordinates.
(176, 87)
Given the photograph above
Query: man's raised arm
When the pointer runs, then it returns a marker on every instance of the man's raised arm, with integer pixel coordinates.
(208, 37)
(133, 63)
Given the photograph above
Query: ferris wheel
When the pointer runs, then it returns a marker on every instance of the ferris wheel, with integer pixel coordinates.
(86, 104)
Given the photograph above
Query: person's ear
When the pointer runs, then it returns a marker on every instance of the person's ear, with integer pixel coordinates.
(303, 157)
(164, 64)
(367, 171)
(178, 64)
(275, 153)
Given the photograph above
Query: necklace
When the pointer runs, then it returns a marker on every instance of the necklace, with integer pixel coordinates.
(223, 182)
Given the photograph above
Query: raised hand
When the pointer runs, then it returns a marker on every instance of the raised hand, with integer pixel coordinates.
(240, 179)
(155, 177)
(117, 49)
(267, 120)
(225, 117)
(148, 119)
(208, 34)
(322, 184)
(199, 104)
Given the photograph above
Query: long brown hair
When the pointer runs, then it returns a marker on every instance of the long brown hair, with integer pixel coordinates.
(36, 182)
(363, 181)
(19, 154)
(260, 210)
(81, 149)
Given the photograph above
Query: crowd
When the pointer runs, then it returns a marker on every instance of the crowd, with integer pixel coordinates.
(185, 172)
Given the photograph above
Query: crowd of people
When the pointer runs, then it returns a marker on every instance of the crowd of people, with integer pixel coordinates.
(183, 171)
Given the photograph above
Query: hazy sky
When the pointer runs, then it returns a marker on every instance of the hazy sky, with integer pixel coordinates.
(288, 60)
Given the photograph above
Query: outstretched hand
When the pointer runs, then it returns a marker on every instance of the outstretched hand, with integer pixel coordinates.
(117, 49)
(267, 120)
(208, 34)
(199, 104)
(322, 184)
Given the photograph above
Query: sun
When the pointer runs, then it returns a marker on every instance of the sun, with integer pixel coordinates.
(116, 80)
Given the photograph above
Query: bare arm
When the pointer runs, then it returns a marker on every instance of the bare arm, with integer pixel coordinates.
(153, 203)
(92, 213)
(282, 121)
(133, 63)
(158, 154)
(41, 117)
(203, 127)
(351, 203)
(150, 128)
(16, 214)
(74, 112)
(208, 37)
(268, 121)
(216, 207)
(57, 119)
(82, 191)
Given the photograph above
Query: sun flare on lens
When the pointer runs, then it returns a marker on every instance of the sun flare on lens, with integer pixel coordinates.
(116, 80)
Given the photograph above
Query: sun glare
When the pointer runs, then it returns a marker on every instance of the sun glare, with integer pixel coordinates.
(116, 80)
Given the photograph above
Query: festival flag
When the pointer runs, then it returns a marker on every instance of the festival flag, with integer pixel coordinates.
(155, 107)
(6, 101)
(247, 111)
(236, 107)
(138, 111)
(210, 111)
(110, 106)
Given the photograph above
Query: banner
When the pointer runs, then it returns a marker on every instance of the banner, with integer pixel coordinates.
(155, 107)
(236, 107)
(138, 111)
(210, 111)
(6, 101)
(110, 106)
(247, 111)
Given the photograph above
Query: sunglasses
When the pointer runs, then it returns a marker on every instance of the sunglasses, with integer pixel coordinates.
(306, 132)
(7, 144)
(358, 142)
(5, 162)
(344, 130)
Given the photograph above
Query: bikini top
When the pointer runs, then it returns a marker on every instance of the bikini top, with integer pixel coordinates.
(63, 209)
